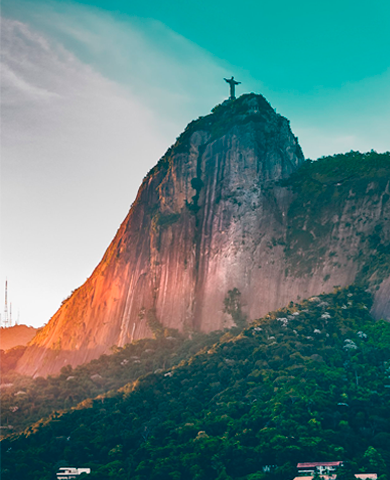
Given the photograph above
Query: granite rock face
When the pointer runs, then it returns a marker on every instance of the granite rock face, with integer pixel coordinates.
(209, 219)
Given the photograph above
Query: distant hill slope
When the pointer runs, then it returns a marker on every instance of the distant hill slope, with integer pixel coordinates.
(17, 335)
(308, 382)
(215, 224)
(72, 386)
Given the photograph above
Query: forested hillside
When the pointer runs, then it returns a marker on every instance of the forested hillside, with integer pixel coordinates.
(26, 400)
(308, 382)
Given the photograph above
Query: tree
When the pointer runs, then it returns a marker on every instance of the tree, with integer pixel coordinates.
(374, 461)
(346, 472)
(232, 305)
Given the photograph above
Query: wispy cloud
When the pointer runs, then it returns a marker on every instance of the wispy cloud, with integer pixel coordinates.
(77, 139)
(91, 100)
(15, 85)
(163, 69)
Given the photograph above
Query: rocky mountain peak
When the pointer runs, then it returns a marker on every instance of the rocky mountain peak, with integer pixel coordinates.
(204, 244)
(248, 116)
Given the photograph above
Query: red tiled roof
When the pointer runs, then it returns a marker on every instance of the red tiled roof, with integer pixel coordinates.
(319, 464)
(359, 476)
(323, 477)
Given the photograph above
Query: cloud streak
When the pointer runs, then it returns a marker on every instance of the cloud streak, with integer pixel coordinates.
(164, 70)
(75, 147)
(90, 101)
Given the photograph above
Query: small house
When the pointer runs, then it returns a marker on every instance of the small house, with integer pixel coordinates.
(67, 473)
(322, 468)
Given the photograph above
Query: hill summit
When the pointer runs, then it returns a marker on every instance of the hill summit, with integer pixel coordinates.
(220, 233)
(15, 336)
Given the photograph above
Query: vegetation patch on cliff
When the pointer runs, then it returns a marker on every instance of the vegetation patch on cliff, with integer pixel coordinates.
(165, 219)
(160, 221)
(232, 306)
(223, 117)
(335, 192)
(153, 323)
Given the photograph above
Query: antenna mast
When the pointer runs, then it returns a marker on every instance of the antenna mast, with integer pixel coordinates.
(5, 319)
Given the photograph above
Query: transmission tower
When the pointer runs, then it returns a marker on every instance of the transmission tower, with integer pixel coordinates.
(5, 315)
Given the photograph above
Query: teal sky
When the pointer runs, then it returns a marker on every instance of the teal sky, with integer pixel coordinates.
(94, 92)
(290, 46)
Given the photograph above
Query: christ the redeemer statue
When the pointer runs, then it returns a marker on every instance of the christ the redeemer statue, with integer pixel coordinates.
(232, 84)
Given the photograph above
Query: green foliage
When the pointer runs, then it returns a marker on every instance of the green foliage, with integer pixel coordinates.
(41, 396)
(159, 221)
(219, 122)
(307, 382)
(164, 220)
(153, 323)
(232, 306)
(223, 118)
(9, 358)
(197, 185)
(374, 461)
(346, 472)
(336, 193)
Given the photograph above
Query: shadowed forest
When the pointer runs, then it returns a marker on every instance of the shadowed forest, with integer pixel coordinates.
(308, 382)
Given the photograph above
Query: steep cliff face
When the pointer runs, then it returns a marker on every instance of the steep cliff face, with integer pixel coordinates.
(213, 236)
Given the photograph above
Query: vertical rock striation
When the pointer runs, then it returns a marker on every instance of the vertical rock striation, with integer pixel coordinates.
(211, 217)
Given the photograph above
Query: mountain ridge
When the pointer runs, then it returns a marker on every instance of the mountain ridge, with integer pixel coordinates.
(17, 335)
(211, 226)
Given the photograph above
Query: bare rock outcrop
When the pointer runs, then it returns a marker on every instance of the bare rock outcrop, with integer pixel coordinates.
(211, 220)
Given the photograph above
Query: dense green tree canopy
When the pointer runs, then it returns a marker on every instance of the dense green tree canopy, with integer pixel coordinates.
(306, 383)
